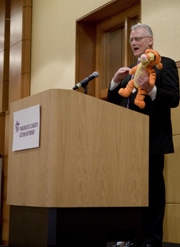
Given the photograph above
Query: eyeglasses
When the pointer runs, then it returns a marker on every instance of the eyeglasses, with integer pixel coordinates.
(137, 39)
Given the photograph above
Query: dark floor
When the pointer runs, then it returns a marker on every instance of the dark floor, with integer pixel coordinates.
(164, 245)
(170, 245)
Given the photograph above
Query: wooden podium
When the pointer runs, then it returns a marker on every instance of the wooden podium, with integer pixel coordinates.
(92, 162)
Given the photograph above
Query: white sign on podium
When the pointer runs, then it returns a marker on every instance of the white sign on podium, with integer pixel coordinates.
(26, 128)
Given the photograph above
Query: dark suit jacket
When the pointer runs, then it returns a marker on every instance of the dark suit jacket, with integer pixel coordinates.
(159, 110)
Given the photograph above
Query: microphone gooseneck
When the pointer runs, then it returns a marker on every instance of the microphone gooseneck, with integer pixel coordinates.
(85, 81)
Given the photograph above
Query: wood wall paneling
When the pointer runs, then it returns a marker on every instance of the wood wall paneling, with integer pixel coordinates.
(1, 68)
(2, 127)
(172, 224)
(27, 19)
(172, 173)
(16, 62)
(20, 51)
(19, 5)
(4, 55)
(2, 34)
(7, 130)
(21, 25)
(85, 42)
(91, 31)
(2, 10)
(175, 116)
(16, 27)
(5, 206)
(19, 87)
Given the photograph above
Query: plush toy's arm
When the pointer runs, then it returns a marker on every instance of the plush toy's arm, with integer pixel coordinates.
(133, 70)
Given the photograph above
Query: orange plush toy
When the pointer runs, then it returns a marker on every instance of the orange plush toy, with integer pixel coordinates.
(147, 61)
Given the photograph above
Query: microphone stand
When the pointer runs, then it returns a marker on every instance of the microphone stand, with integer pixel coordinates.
(85, 88)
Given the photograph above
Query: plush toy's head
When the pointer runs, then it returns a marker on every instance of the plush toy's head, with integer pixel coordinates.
(144, 59)
(154, 58)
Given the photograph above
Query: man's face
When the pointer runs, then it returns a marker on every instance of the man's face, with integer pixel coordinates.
(140, 41)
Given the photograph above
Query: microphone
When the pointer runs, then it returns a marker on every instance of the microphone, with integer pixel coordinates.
(85, 81)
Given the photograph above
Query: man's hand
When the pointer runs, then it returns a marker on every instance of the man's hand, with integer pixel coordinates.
(143, 81)
(121, 74)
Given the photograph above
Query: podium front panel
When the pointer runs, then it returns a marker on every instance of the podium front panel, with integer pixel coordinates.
(92, 154)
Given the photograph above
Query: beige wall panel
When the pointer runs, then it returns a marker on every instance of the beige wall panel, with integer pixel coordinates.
(163, 17)
(172, 223)
(172, 173)
(175, 116)
(53, 41)
(53, 37)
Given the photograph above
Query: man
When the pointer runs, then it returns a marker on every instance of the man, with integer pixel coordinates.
(161, 97)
